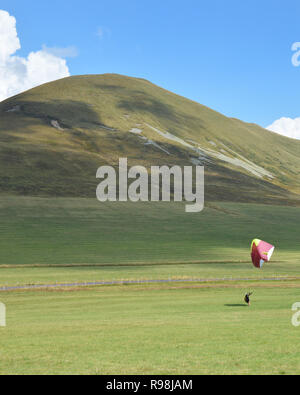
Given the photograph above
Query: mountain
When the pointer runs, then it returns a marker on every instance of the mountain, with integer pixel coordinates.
(54, 137)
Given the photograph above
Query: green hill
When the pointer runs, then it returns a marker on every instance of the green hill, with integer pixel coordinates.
(54, 137)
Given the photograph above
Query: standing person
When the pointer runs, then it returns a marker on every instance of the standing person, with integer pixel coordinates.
(247, 298)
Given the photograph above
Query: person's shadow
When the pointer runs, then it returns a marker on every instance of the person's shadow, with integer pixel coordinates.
(235, 305)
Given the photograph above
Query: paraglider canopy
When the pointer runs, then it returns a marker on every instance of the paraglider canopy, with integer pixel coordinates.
(261, 252)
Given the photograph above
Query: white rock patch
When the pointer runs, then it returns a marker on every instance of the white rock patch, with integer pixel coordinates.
(56, 125)
(252, 167)
(196, 162)
(206, 153)
(240, 161)
(136, 131)
(170, 136)
(150, 142)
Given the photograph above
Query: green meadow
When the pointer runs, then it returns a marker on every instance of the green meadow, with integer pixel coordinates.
(169, 328)
(66, 231)
(151, 330)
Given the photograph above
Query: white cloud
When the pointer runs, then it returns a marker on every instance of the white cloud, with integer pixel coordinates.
(287, 127)
(18, 74)
(9, 42)
(67, 52)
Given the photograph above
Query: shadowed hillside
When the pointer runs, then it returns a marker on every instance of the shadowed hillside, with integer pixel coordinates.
(54, 137)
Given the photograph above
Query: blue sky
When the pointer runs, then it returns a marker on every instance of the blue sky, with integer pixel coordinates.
(232, 56)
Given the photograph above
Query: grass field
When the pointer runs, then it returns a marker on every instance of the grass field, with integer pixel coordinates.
(84, 231)
(110, 241)
(151, 330)
(172, 328)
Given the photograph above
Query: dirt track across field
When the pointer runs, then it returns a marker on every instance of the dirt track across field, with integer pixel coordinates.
(221, 282)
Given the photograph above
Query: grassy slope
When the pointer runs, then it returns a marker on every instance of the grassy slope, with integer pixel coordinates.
(150, 331)
(37, 159)
(83, 231)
